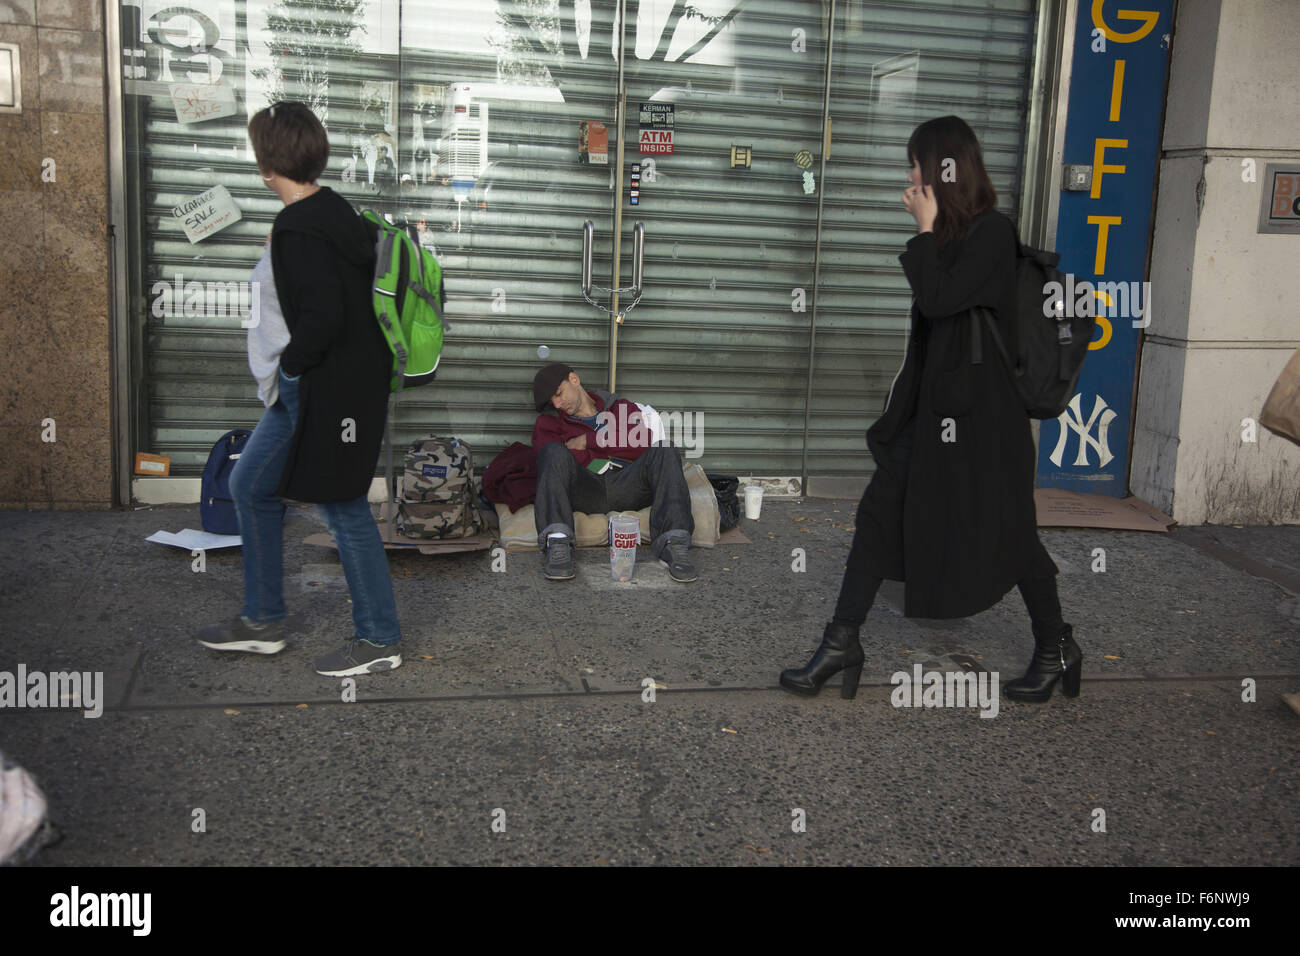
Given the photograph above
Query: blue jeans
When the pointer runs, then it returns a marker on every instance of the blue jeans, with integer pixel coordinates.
(253, 484)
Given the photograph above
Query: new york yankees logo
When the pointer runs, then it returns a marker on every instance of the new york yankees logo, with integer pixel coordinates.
(1075, 423)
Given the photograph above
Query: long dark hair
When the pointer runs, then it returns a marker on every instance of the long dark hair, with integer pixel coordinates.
(962, 188)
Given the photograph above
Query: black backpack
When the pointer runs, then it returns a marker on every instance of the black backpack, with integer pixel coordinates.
(1052, 344)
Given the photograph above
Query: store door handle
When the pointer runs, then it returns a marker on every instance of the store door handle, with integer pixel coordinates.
(638, 268)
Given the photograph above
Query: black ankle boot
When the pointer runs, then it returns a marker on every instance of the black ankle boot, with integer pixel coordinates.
(1056, 657)
(840, 651)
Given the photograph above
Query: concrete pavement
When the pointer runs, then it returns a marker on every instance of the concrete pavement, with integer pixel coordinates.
(517, 731)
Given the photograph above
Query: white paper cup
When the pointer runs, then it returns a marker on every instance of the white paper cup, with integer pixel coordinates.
(753, 501)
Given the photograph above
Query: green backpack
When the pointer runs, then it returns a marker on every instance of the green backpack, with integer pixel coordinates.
(408, 301)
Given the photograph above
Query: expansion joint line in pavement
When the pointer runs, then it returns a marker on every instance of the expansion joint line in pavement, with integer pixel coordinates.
(589, 692)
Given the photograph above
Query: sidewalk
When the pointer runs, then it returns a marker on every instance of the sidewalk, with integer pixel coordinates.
(525, 696)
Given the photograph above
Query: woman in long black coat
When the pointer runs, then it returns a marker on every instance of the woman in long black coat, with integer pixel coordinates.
(950, 509)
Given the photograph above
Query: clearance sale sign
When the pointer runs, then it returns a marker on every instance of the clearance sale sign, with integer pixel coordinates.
(1112, 146)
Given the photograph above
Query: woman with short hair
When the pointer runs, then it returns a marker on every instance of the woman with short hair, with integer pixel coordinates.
(950, 508)
(322, 368)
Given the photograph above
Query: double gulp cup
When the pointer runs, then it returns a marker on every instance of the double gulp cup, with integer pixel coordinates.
(624, 535)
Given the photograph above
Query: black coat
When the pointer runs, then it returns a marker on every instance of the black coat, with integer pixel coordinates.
(955, 519)
(323, 260)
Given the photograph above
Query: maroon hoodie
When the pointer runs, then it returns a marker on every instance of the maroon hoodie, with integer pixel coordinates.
(552, 426)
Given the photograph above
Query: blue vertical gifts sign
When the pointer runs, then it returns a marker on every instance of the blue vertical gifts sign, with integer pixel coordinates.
(1116, 105)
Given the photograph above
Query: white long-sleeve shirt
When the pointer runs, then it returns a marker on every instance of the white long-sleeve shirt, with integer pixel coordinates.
(268, 335)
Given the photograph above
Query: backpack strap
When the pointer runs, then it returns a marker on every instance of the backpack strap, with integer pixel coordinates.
(389, 486)
(976, 346)
(416, 278)
(387, 258)
(977, 340)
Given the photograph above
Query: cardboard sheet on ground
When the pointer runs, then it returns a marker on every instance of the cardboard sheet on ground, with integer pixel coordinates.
(189, 539)
(518, 529)
(1068, 509)
(397, 542)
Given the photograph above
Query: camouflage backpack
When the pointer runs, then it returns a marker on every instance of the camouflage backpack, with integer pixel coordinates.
(438, 491)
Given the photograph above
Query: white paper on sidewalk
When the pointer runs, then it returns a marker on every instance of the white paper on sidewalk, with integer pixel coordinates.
(192, 540)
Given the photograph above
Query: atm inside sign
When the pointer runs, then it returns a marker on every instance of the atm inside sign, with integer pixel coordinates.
(657, 141)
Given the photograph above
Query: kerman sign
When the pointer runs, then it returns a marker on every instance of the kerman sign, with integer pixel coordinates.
(656, 121)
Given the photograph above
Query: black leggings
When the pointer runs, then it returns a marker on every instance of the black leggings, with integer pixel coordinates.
(858, 591)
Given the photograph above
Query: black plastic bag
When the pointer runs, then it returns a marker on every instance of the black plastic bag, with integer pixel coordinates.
(725, 487)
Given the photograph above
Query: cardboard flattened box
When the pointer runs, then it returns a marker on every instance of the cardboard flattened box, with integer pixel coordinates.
(156, 465)
(1058, 508)
(518, 529)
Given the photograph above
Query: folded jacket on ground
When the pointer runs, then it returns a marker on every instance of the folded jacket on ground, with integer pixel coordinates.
(511, 477)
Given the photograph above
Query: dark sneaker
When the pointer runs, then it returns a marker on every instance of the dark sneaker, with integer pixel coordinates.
(360, 657)
(676, 557)
(559, 560)
(244, 635)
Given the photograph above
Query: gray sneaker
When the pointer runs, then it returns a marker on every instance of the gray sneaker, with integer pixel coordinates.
(559, 560)
(245, 635)
(360, 657)
(676, 557)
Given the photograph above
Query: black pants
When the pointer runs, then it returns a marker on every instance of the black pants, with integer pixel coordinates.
(858, 592)
(654, 479)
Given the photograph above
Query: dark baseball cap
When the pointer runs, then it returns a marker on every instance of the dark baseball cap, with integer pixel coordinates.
(547, 381)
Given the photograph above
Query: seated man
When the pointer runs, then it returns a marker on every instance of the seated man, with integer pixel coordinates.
(594, 455)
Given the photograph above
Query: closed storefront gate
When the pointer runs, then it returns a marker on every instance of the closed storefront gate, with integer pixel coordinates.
(763, 142)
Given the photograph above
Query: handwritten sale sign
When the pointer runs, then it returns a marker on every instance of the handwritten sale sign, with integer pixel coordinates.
(196, 102)
(207, 213)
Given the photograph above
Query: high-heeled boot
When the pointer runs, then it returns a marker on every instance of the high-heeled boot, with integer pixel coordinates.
(839, 651)
(1056, 657)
